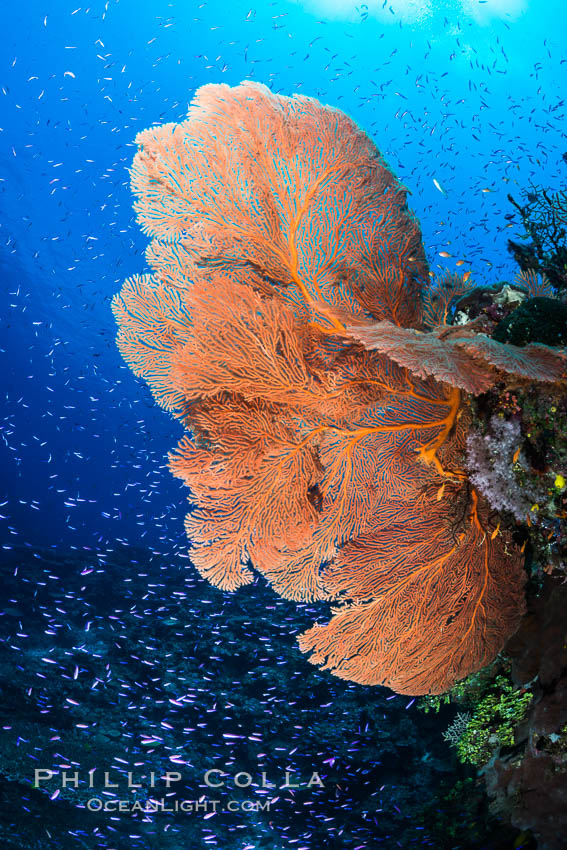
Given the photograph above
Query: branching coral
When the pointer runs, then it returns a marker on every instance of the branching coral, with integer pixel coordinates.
(457, 729)
(492, 723)
(544, 218)
(282, 250)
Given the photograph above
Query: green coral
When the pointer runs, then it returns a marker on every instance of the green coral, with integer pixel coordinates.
(469, 690)
(493, 722)
(495, 708)
(433, 702)
(457, 819)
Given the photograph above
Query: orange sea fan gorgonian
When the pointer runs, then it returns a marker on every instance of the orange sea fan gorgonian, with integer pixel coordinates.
(283, 325)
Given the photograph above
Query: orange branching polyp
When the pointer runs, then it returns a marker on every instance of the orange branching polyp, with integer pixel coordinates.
(283, 324)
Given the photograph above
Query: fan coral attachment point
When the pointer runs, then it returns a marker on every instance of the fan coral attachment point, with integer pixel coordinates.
(442, 296)
(284, 323)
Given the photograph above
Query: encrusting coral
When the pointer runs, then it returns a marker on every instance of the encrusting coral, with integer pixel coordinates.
(284, 325)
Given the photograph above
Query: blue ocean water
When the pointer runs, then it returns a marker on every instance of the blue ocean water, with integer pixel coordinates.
(464, 98)
(468, 94)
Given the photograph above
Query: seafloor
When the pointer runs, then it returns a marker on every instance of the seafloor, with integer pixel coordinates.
(131, 663)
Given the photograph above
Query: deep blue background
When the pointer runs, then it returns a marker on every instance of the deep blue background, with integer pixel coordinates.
(467, 93)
